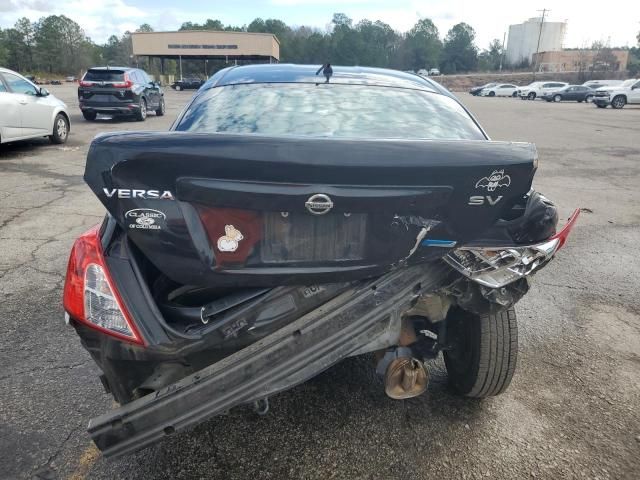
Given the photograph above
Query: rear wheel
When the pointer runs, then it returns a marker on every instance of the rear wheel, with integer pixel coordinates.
(90, 116)
(161, 108)
(618, 102)
(588, 98)
(600, 105)
(557, 98)
(60, 129)
(178, 88)
(532, 96)
(483, 354)
(141, 114)
(492, 94)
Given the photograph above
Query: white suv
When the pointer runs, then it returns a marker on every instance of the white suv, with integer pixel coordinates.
(537, 89)
(618, 95)
(29, 111)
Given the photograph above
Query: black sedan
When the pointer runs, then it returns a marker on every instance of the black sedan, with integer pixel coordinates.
(189, 83)
(476, 90)
(574, 93)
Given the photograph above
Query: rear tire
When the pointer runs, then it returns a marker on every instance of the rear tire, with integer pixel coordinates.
(141, 114)
(178, 88)
(618, 102)
(588, 98)
(161, 108)
(482, 360)
(600, 106)
(557, 98)
(89, 116)
(60, 129)
(532, 96)
(492, 94)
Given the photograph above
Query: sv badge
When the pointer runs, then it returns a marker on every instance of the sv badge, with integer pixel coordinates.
(481, 200)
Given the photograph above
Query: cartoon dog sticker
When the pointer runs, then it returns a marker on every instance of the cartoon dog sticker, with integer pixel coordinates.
(497, 179)
(231, 240)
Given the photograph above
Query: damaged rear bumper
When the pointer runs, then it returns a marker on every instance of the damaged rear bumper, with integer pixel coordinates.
(360, 320)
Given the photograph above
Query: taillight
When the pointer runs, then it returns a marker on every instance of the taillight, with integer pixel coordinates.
(85, 84)
(563, 234)
(126, 84)
(89, 293)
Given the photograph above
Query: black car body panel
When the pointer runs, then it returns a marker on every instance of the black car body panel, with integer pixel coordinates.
(260, 185)
(102, 90)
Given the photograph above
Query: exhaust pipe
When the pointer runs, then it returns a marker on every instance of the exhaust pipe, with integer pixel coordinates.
(405, 377)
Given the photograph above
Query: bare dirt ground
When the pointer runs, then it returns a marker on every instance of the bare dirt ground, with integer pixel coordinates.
(573, 409)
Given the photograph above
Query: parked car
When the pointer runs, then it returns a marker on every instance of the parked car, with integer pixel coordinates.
(119, 91)
(572, 93)
(537, 89)
(29, 111)
(189, 83)
(476, 90)
(434, 71)
(55, 82)
(422, 72)
(499, 90)
(274, 242)
(618, 95)
(595, 84)
(70, 78)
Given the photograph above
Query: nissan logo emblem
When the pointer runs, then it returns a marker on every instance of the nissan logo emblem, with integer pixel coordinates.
(319, 204)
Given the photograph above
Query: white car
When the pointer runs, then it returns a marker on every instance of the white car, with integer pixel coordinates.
(619, 95)
(434, 71)
(596, 84)
(29, 111)
(537, 89)
(500, 90)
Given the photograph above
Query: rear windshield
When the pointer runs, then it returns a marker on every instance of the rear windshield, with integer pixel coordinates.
(104, 76)
(329, 110)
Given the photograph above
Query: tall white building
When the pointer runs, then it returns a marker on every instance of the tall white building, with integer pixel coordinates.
(523, 39)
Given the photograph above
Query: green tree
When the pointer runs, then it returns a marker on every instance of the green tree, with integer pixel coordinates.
(422, 46)
(208, 25)
(491, 58)
(4, 53)
(459, 52)
(62, 45)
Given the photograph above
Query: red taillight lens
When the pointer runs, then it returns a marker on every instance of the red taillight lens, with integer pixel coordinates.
(89, 293)
(85, 84)
(233, 233)
(563, 234)
(126, 84)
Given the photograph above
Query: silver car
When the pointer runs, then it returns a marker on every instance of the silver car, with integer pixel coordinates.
(29, 111)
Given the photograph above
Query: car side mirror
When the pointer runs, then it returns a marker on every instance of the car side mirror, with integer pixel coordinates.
(43, 92)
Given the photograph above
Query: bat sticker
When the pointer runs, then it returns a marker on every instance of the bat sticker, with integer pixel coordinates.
(497, 179)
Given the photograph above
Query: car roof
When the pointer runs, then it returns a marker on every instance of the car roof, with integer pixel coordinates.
(290, 73)
(113, 67)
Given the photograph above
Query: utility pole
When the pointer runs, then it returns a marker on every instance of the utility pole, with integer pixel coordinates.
(535, 64)
(504, 37)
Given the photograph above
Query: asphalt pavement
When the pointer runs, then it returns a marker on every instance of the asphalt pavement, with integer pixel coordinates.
(572, 411)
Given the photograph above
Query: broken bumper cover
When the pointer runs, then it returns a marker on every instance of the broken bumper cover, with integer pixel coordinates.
(360, 320)
(495, 267)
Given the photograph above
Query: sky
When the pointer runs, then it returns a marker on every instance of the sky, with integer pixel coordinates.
(489, 18)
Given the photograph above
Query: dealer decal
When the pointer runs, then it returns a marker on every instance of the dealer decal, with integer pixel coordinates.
(145, 219)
